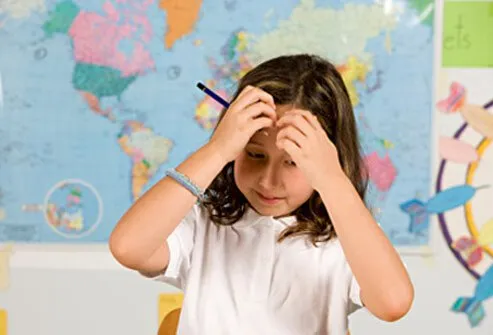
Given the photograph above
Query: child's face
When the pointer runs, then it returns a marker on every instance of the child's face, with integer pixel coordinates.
(268, 177)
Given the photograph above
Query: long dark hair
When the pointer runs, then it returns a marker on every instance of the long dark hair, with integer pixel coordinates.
(311, 83)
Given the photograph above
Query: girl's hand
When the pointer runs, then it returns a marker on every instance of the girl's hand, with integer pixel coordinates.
(252, 110)
(304, 139)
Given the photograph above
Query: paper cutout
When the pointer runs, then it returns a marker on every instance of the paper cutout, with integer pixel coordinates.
(457, 151)
(478, 117)
(169, 308)
(486, 233)
(3, 322)
(5, 254)
(471, 248)
(467, 32)
(473, 306)
(441, 202)
(454, 101)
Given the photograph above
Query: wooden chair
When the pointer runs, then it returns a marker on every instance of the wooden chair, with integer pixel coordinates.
(169, 325)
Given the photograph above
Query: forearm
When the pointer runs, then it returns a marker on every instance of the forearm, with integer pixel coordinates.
(385, 285)
(152, 218)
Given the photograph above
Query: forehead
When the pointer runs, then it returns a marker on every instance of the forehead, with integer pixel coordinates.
(283, 109)
(268, 136)
(263, 137)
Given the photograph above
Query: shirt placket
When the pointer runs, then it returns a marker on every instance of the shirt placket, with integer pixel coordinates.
(262, 278)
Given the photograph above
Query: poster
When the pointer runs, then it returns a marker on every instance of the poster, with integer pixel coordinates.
(99, 99)
(463, 180)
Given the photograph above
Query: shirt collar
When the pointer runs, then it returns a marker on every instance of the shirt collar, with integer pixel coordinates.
(251, 217)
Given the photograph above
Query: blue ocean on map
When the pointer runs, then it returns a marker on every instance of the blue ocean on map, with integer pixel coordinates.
(99, 98)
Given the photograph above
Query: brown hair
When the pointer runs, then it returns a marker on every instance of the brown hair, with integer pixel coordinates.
(311, 83)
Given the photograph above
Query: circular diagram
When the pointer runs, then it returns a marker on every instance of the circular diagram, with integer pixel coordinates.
(73, 208)
(465, 181)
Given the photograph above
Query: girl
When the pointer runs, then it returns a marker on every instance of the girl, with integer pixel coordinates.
(281, 241)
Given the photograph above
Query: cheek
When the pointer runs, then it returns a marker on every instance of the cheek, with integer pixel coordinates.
(299, 189)
(243, 172)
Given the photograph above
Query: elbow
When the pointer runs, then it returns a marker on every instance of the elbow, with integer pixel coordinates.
(397, 305)
(121, 251)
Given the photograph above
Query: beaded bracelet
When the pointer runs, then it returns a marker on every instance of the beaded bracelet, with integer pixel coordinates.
(187, 183)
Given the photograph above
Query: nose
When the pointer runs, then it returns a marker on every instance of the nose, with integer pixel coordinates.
(269, 177)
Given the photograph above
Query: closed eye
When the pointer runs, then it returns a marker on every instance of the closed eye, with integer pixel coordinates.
(291, 163)
(255, 155)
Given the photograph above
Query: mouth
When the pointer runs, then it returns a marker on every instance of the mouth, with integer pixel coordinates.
(268, 199)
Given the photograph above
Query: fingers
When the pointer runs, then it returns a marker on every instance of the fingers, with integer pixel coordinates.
(290, 147)
(251, 95)
(298, 121)
(244, 91)
(293, 134)
(258, 109)
(259, 123)
(309, 117)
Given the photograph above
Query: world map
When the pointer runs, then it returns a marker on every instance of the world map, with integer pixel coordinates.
(98, 99)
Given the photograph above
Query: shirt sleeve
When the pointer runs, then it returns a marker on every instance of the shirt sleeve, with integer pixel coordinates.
(355, 302)
(180, 243)
(352, 289)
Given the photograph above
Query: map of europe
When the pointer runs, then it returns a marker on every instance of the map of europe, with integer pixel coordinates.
(98, 99)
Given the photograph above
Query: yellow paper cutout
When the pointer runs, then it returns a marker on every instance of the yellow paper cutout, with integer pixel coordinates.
(3, 322)
(5, 254)
(485, 236)
(169, 308)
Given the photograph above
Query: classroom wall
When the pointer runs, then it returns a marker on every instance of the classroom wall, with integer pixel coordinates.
(55, 297)
(81, 302)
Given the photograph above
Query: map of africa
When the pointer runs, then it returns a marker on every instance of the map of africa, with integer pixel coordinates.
(98, 99)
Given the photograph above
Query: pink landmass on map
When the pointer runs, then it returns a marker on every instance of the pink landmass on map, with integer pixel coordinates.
(382, 171)
(97, 40)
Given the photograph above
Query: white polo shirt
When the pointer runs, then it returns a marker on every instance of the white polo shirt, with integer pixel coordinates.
(239, 280)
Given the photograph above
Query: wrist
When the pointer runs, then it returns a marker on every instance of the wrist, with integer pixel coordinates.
(336, 185)
(202, 166)
(213, 152)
